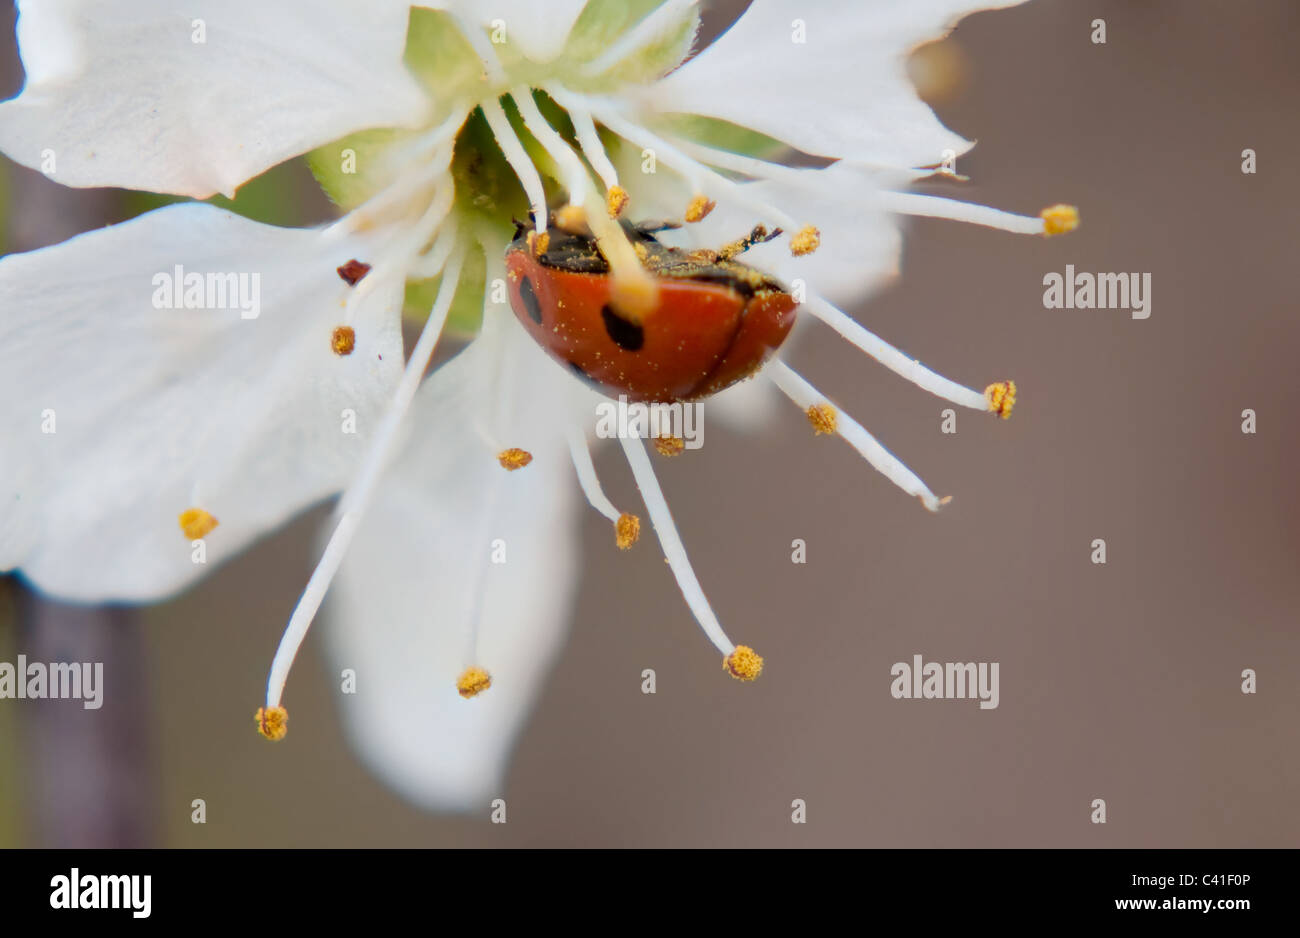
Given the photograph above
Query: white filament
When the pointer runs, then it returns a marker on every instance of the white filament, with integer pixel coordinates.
(805, 395)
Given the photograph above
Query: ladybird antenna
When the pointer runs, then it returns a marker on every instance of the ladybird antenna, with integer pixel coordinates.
(758, 235)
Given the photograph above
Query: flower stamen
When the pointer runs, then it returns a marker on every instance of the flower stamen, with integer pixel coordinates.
(892, 358)
(1063, 218)
(810, 399)
(355, 499)
(517, 157)
(674, 551)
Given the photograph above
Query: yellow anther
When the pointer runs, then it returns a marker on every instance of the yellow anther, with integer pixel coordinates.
(1001, 397)
(344, 340)
(616, 201)
(272, 722)
(804, 241)
(627, 530)
(514, 458)
(472, 682)
(669, 445)
(571, 218)
(699, 208)
(744, 663)
(538, 243)
(1059, 219)
(196, 523)
(823, 418)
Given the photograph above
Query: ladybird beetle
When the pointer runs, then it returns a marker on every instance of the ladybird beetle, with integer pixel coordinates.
(715, 322)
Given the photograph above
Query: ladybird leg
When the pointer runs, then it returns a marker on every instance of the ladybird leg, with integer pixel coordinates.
(826, 419)
(995, 398)
(356, 498)
(627, 527)
(739, 660)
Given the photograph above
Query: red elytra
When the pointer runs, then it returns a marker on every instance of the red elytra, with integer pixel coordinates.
(715, 323)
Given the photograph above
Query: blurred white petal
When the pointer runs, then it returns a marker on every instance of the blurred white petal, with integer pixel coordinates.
(843, 93)
(160, 410)
(419, 575)
(120, 94)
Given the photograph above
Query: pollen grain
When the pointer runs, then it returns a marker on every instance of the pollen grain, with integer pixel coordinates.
(615, 201)
(823, 418)
(196, 523)
(744, 664)
(627, 530)
(699, 208)
(804, 241)
(272, 722)
(1001, 398)
(472, 682)
(1059, 219)
(669, 445)
(344, 340)
(514, 458)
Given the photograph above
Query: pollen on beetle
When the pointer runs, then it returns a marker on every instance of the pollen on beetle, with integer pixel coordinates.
(571, 218)
(669, 445)
(823, 418)
(272, 722)
(538, 243)
(514, 458)
(472, 682)
(344, 340)
(615, 201)
(699, 208)
(744, 664)
(1001, 397)
(1059, 219)
(804, 241)
(196, 523)
(627, 530)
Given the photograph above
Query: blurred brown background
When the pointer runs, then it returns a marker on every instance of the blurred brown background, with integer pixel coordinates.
(1119, 682)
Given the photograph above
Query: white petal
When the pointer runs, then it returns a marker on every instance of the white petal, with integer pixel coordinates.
(159, 410)
(120, 94)
(843, 93)
(419, 575)
(540, 29)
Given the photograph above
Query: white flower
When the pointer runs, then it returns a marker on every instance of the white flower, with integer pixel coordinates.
(124, 408)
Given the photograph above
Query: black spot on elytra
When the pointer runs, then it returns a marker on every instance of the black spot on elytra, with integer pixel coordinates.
(529, 296)
(626, 334)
